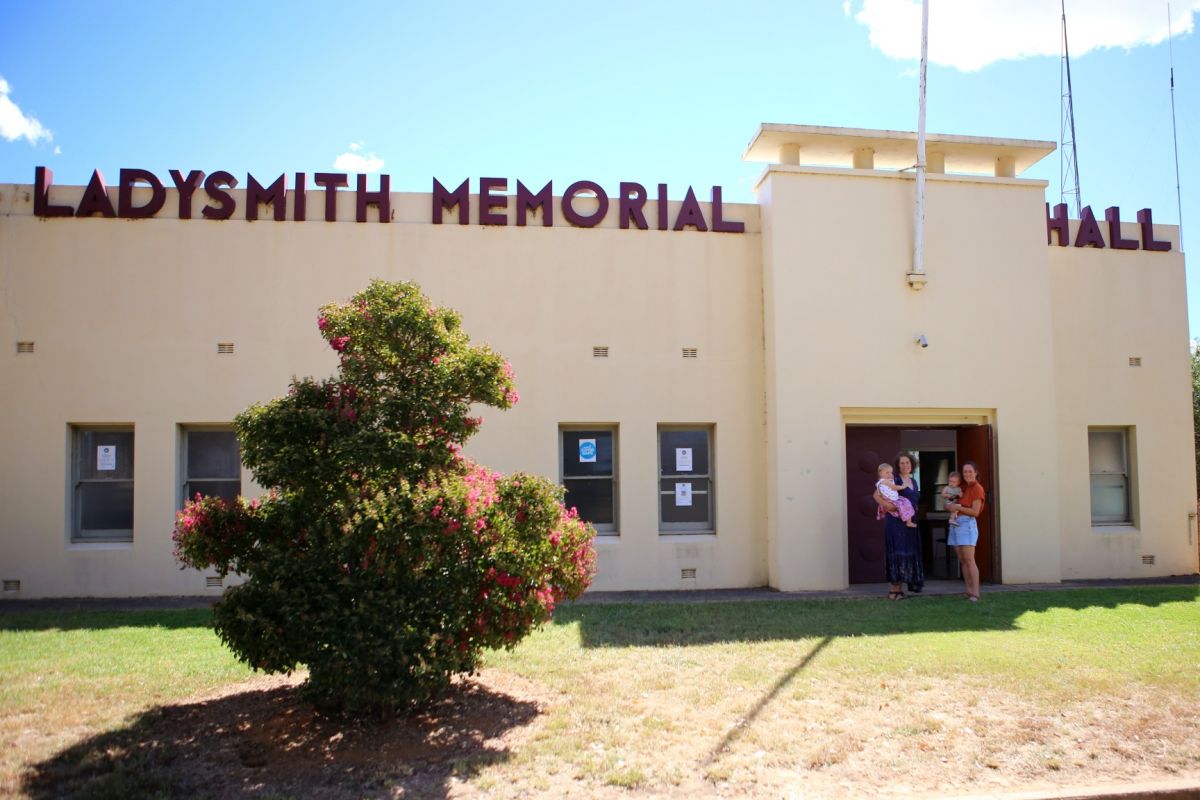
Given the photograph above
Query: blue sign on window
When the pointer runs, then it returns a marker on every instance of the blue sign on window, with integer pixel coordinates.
(587, 451)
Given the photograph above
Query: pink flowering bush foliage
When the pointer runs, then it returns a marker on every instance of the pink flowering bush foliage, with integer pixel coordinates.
(383, 559)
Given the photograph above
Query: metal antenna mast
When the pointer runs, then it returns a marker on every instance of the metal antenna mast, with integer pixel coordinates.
(916, 278)
(1174, 135)
(1068, 156)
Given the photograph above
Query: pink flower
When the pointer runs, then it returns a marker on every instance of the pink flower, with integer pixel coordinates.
(339, 343)
(512, 396)
(322, 322)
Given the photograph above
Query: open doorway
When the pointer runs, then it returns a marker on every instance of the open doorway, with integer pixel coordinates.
(940, 449)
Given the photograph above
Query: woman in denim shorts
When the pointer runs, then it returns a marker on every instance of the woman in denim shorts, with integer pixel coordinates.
(964, 534)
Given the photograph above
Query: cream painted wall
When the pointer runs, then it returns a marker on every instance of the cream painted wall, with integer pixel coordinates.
(802, 324)
(840, 323)
(126, 316)
(1113, 305)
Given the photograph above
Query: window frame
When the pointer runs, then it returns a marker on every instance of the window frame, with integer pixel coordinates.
(1127, 453)
(77, 432)
(604, 528)
(184, 478)
(710, 494)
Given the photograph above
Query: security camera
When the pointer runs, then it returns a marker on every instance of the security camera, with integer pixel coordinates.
(922, 340)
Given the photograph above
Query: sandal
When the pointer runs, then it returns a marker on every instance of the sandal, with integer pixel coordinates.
(974, 598)
(895, 595)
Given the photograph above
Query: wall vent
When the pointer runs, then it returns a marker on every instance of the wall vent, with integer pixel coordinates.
(690, 352)
(24, 347)
(600, 351)
(225, 348)
(213, 581)
(1135, 361)
(12, 586)
(1148, 561)
(688, 573)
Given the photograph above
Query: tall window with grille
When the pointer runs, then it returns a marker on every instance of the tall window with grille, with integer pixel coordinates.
(589, 474)
(102, 481)
(1111, 478)
(685, 480)
(212, 464)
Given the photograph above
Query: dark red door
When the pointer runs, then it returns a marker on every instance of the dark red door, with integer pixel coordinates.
(866, 449)
(975, 444)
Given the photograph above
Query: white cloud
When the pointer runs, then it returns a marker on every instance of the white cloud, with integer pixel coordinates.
(14, 124)
(354, 161)
(970, 34)
(57, 150)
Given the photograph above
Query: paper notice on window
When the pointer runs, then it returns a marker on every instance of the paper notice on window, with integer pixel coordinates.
(587, 451)
(683, 460)
(106, 457)
(683, 494)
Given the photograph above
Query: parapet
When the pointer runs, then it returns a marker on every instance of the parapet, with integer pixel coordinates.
(862, 148)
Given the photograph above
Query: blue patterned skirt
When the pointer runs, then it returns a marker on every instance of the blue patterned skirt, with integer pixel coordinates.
(902, 546)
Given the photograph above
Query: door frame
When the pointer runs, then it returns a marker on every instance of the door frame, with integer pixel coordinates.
(925, 419)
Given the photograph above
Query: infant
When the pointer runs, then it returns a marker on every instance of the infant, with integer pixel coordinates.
(952, 493)
(887, 488)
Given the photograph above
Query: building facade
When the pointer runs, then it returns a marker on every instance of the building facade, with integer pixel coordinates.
(714, 383)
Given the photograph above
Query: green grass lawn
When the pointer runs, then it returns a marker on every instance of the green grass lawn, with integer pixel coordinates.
(768, 698)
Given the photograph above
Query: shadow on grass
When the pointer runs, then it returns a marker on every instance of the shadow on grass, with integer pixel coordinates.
(768, 697)
(684, 624)
(270, 743)
(170, 619)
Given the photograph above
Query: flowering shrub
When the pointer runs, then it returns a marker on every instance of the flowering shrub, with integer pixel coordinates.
(383, 559)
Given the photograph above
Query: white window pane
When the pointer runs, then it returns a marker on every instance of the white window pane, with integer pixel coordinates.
(213, 454)
(593, 499)
(693, 460)
(226, 490)
(1109, 499)
(587, 453)
(696, 510)
(105, 508)
(115, 464)
(1106, 451)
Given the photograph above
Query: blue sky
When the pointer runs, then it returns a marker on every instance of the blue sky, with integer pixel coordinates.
(650, 92)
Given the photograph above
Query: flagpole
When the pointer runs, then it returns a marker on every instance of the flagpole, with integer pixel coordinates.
(1174, 135)
(917, 278)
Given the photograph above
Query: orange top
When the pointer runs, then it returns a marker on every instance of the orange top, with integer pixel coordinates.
(971, 493)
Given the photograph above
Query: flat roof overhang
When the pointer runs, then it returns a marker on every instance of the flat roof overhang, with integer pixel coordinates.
(834, 147)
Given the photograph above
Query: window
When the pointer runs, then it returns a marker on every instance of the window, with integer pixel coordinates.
(102, 485)
(1108, 460)
(589, 474)
(212, 465)
(685, 480)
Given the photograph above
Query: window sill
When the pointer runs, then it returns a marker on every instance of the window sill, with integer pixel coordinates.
(688, 536)
(1114, 527)
(126, 545)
